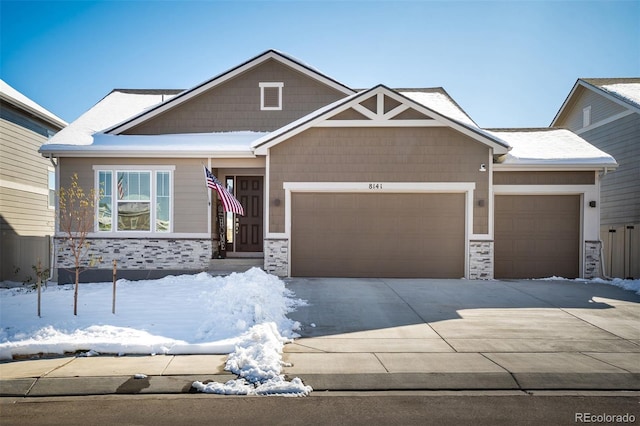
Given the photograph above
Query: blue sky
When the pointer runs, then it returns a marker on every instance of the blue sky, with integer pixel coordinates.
(508, 64)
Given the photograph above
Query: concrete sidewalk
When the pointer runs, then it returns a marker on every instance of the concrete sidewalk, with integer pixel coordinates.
(381, 334)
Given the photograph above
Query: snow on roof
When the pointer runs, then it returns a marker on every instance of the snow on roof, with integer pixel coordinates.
(628, 91)
(18, 99)
(173, 145)
(550, 146)
(438, 100)
(114, 108)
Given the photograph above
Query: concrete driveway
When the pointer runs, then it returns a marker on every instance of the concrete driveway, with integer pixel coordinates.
(476, 334)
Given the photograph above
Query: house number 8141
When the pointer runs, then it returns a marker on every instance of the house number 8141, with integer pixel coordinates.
(375, 186)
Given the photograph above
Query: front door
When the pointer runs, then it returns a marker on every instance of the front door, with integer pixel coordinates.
(249, 191)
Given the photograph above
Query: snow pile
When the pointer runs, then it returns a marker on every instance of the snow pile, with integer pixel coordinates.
(187, 314)
(631, 285)
(257, 360)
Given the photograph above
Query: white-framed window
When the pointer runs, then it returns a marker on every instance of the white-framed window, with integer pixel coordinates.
(271, 96)
(134, 199)
(586, 116)
(51, 182)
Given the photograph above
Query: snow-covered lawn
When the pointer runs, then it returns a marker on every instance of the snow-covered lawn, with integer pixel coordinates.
(243, 315)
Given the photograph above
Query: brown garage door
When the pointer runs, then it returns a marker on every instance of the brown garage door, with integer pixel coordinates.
(537, 236)
(377, 235)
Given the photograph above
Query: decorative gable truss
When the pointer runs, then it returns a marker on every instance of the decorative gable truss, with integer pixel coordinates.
(380, 110)
(376, 107)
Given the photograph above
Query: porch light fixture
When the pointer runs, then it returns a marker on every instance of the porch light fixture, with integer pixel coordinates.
(592, 203)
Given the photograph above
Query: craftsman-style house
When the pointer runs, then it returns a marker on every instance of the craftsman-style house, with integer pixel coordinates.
(334, 181)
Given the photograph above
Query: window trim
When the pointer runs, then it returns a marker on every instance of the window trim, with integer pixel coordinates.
(279, 86)
(153, 170)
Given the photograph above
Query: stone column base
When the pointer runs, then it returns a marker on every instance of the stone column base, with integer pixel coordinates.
(481, 260)
(276, 256)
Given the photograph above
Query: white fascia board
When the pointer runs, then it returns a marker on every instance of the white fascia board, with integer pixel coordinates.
(565, 103)
(77, 153)
(220, 79)
(559, 167)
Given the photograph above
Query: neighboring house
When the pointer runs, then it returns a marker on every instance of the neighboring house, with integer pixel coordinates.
(334, 181)
(606, 113)
(27, 185)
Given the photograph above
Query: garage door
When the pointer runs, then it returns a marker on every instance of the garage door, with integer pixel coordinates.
(537, 236)
(378, 235)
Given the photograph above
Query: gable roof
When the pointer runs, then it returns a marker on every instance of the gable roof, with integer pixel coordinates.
(261, 145)
(439, 100)
(118, 105)
(623, 91)
(225, 76)
(541, 147)
(13, 97)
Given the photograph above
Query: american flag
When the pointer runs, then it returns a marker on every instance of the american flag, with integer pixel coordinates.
(229, 202)
(120, 188)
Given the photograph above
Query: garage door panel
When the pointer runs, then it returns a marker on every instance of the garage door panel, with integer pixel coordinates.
(537, 236)
(378, 235)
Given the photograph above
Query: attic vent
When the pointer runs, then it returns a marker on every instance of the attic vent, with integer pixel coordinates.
(586, 116)
(271, 96)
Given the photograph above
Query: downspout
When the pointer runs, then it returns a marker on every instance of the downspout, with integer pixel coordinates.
(52, 244)
(602, 262)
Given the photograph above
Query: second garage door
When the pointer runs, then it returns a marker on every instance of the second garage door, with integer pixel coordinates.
(378, 235)
(537, 236)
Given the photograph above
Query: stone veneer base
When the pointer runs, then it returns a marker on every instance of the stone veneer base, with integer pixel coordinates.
(155, 257)
(481, 260)
(276, 256)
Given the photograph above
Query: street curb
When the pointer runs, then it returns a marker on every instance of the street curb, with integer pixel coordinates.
(181, 384)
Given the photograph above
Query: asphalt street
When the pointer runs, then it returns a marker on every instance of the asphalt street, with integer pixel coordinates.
(415, 408)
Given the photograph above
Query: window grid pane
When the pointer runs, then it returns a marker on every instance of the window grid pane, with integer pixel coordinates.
(163, 202)
(105, 205)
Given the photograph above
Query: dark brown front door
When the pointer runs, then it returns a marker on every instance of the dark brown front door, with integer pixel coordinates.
(249, 191)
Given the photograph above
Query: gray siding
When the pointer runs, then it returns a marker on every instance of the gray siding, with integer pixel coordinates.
(601, 108)
(620, 190)
(26, 220)
(235, 104)
(190, 201)
(379, 155)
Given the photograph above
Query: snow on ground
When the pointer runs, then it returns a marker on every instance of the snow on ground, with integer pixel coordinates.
(241, 314)
(631, 285)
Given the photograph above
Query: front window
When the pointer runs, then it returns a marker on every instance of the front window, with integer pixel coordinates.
(134, 200)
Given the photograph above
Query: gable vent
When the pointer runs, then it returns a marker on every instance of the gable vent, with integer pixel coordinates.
(271, 96)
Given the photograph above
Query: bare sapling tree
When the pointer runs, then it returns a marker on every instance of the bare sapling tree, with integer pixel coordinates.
(75, 218)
